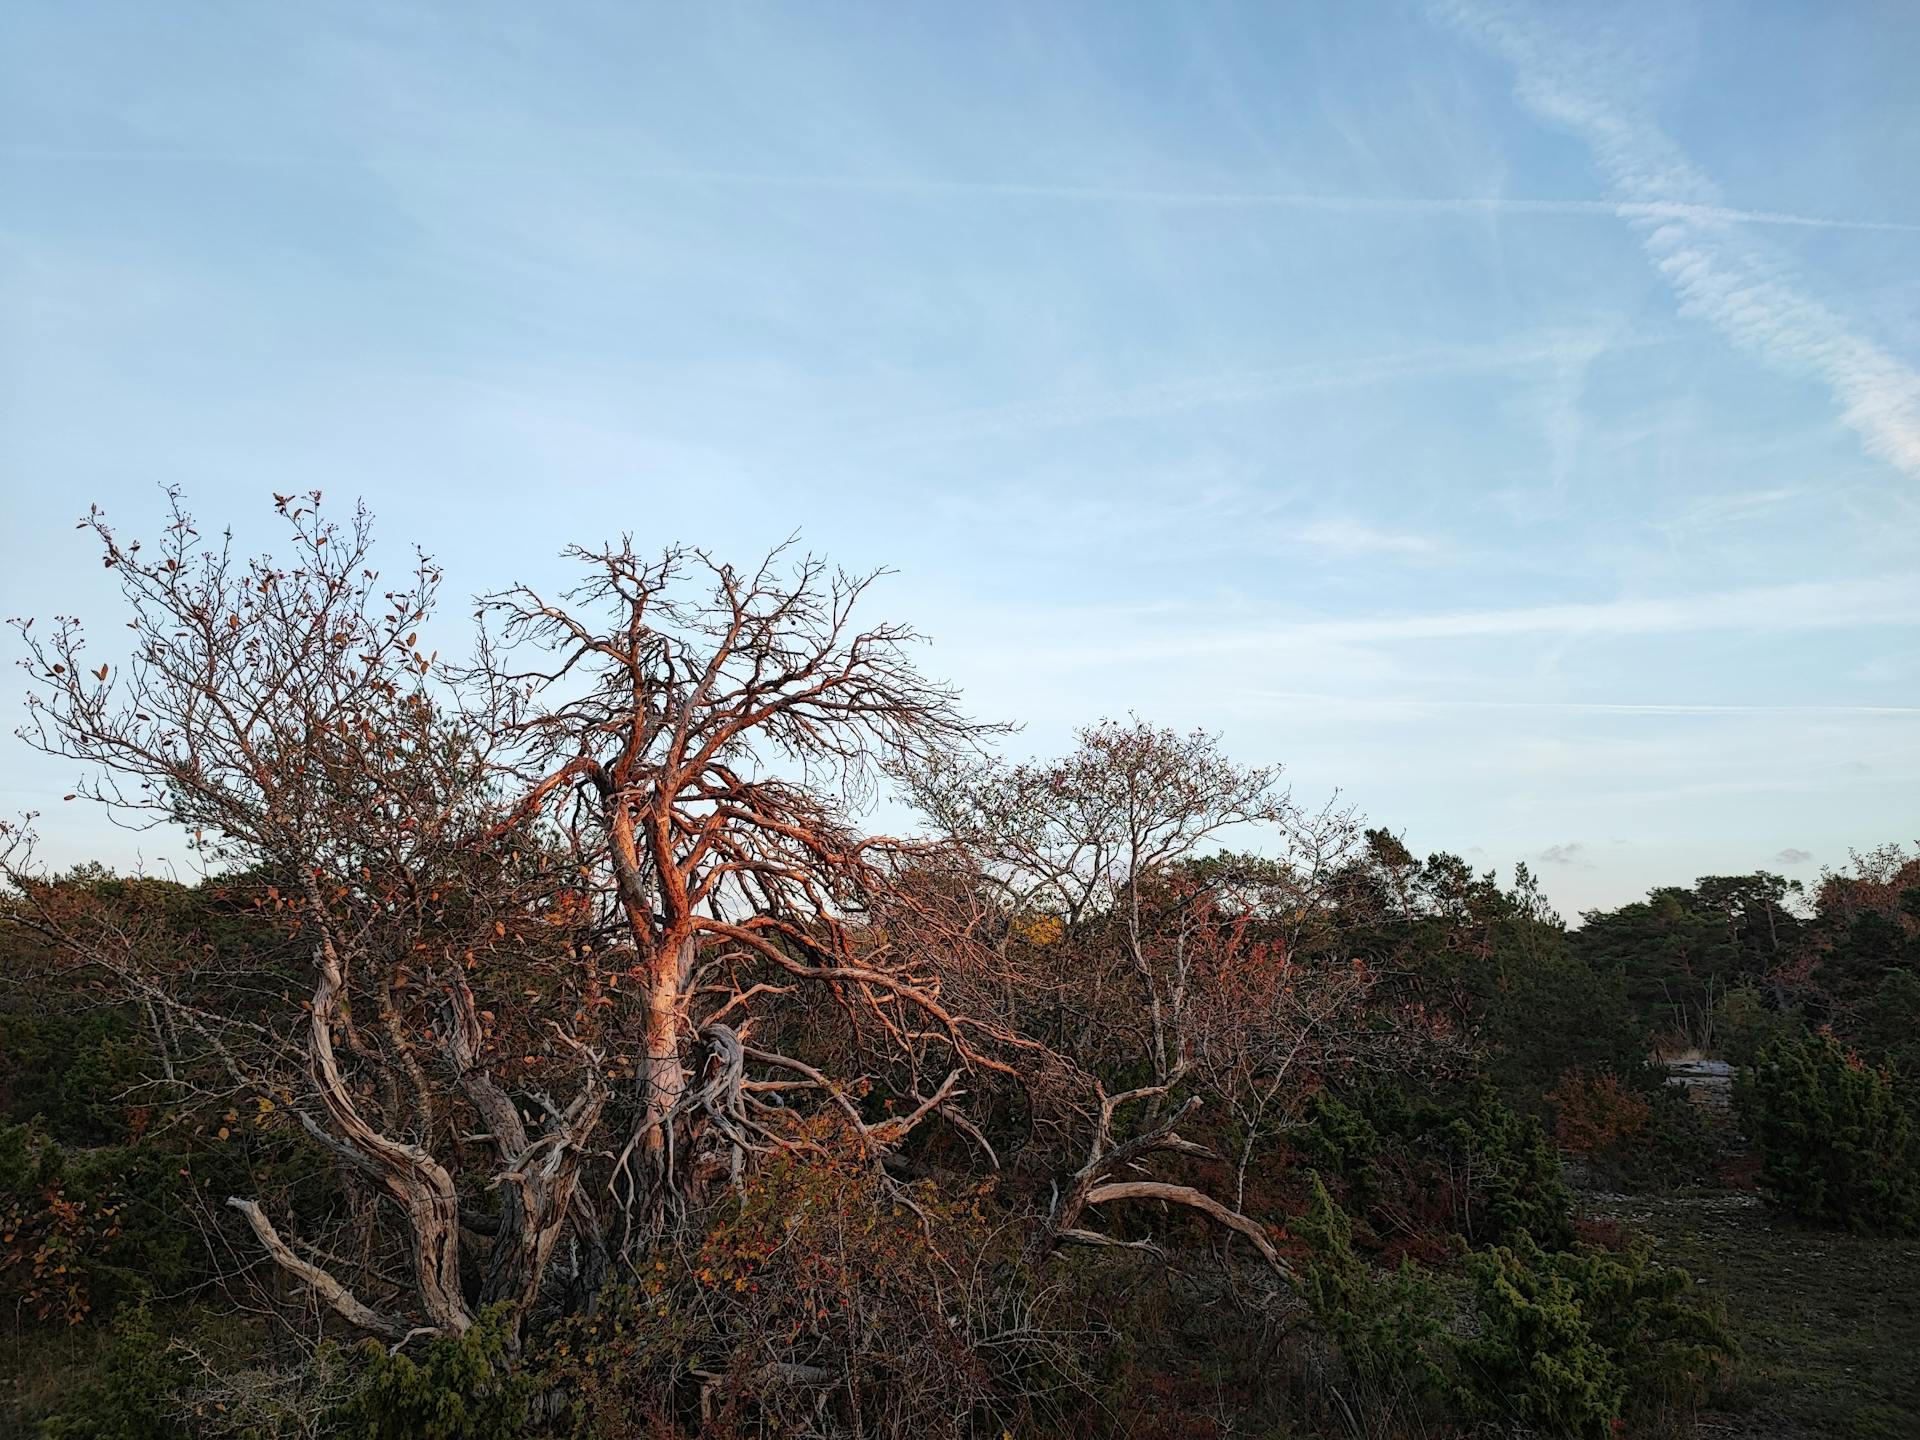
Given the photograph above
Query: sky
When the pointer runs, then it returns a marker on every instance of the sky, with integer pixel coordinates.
(1506, 414)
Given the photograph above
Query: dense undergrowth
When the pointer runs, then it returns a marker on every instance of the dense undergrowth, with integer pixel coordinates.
(682, 1109)
(1446, 1271)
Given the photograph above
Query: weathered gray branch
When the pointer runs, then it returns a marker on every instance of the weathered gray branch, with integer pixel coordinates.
(324, 1285)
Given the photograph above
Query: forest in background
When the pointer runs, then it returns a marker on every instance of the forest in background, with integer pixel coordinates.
(549, 1051)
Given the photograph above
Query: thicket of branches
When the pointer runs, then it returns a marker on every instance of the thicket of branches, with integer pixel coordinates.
(554, 1002)
(588, 930)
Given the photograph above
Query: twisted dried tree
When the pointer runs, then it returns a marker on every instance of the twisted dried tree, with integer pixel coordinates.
(544, 898)
(699, 736)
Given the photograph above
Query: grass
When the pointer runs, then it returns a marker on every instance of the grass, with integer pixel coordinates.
(1828, 1323)
(39, 1365)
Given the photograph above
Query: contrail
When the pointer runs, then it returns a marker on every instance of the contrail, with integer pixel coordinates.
(910, 186)
(1271, 199)
(1733, 281)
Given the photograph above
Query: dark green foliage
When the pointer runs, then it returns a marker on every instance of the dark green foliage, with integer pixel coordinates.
(1544, 1011)
(1746, 1021)
(1510, 974)
(1563, 1341)
(102, 1161)
(1537, 1360)
(1638, 1133)
(23, 1167)
(1488, 1168)
(1861, 953)
(1341, 1137)
(1836, 1136)
(115, 1214)
(60, 1242)
(1888, 1024)
(1677, 1147)
(1386, 1326)
(1516, 1172)
(132, 1395)
(460, 1388)
(77, 1072)
(1568, 1339)
(1679, 950)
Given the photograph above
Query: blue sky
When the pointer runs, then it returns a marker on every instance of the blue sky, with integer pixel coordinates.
(1507, 414)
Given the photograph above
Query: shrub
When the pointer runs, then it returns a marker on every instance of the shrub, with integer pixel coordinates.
(132, 1395)
(1385, 1326)
(74, 1071)
(1595, 1113)
(1548, 1010)
(1678, 1145)
(1744, 1024)
(80, 1230)
(1567, 1340)
(1888, 1026)
(1338, 1136)
(463, 1387)
(1516, 1175)
(1419, 1171)
(52, 1239)
(822, 1298)
(1836, 1136)
(1634, 1132)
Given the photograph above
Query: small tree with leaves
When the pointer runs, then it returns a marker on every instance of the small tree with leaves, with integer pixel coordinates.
(1160, 977)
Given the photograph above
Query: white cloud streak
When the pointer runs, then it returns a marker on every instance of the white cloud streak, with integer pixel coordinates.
(1402, 205)
(1192, 524)
(1169, 397)
(1578, 707)
(1811, 605)
(1720, 274)
(1766, 609)
(908, 187)
(1342, 536)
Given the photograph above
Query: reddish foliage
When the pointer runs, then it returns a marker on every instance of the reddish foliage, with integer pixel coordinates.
(1596, 1113)
(46, 1251)
(1599, 1231)
(1880, 876)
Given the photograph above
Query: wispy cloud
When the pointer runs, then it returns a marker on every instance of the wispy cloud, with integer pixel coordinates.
(1574, 852)
(1767, 609)
(1168, 397)
(1188, 522)
(1808, 606)
(1716, 511)
(1418, 704)
(1793, 855)
(1350, 537)
(1724, 276)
